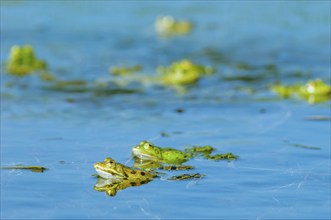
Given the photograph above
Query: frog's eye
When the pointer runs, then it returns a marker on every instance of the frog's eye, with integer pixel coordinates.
(147, 146)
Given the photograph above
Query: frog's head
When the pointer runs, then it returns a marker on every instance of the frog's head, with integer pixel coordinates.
(110, 169)
(147, 151)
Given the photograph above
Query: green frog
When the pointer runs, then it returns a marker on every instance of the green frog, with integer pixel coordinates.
(183, 72)
(314, 91)
(150, 157)
(110, 169)
(23, 61)
(167, 26)
(147, 151)
(114, 176)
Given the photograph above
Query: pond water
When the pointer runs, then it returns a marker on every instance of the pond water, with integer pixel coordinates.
(277, 175)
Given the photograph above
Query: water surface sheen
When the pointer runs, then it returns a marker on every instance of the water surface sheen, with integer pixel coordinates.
(80, 40)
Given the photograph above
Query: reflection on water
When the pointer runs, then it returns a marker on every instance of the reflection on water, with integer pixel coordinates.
(110, 187)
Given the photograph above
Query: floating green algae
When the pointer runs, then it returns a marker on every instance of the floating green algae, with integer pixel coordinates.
(122, 70)
(80, 86)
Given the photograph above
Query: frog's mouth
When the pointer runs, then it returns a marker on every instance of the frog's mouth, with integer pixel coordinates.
(107, 174)
(143, 156)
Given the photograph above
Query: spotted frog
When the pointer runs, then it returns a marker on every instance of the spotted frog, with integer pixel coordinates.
(114, 176)
(110, 169)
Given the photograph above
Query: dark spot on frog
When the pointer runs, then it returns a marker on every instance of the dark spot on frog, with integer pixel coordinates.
(133, 183)
(133, 172)
(143, 173)
(142, 182)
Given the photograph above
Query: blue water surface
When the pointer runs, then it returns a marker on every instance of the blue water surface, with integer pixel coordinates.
(274, 178)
